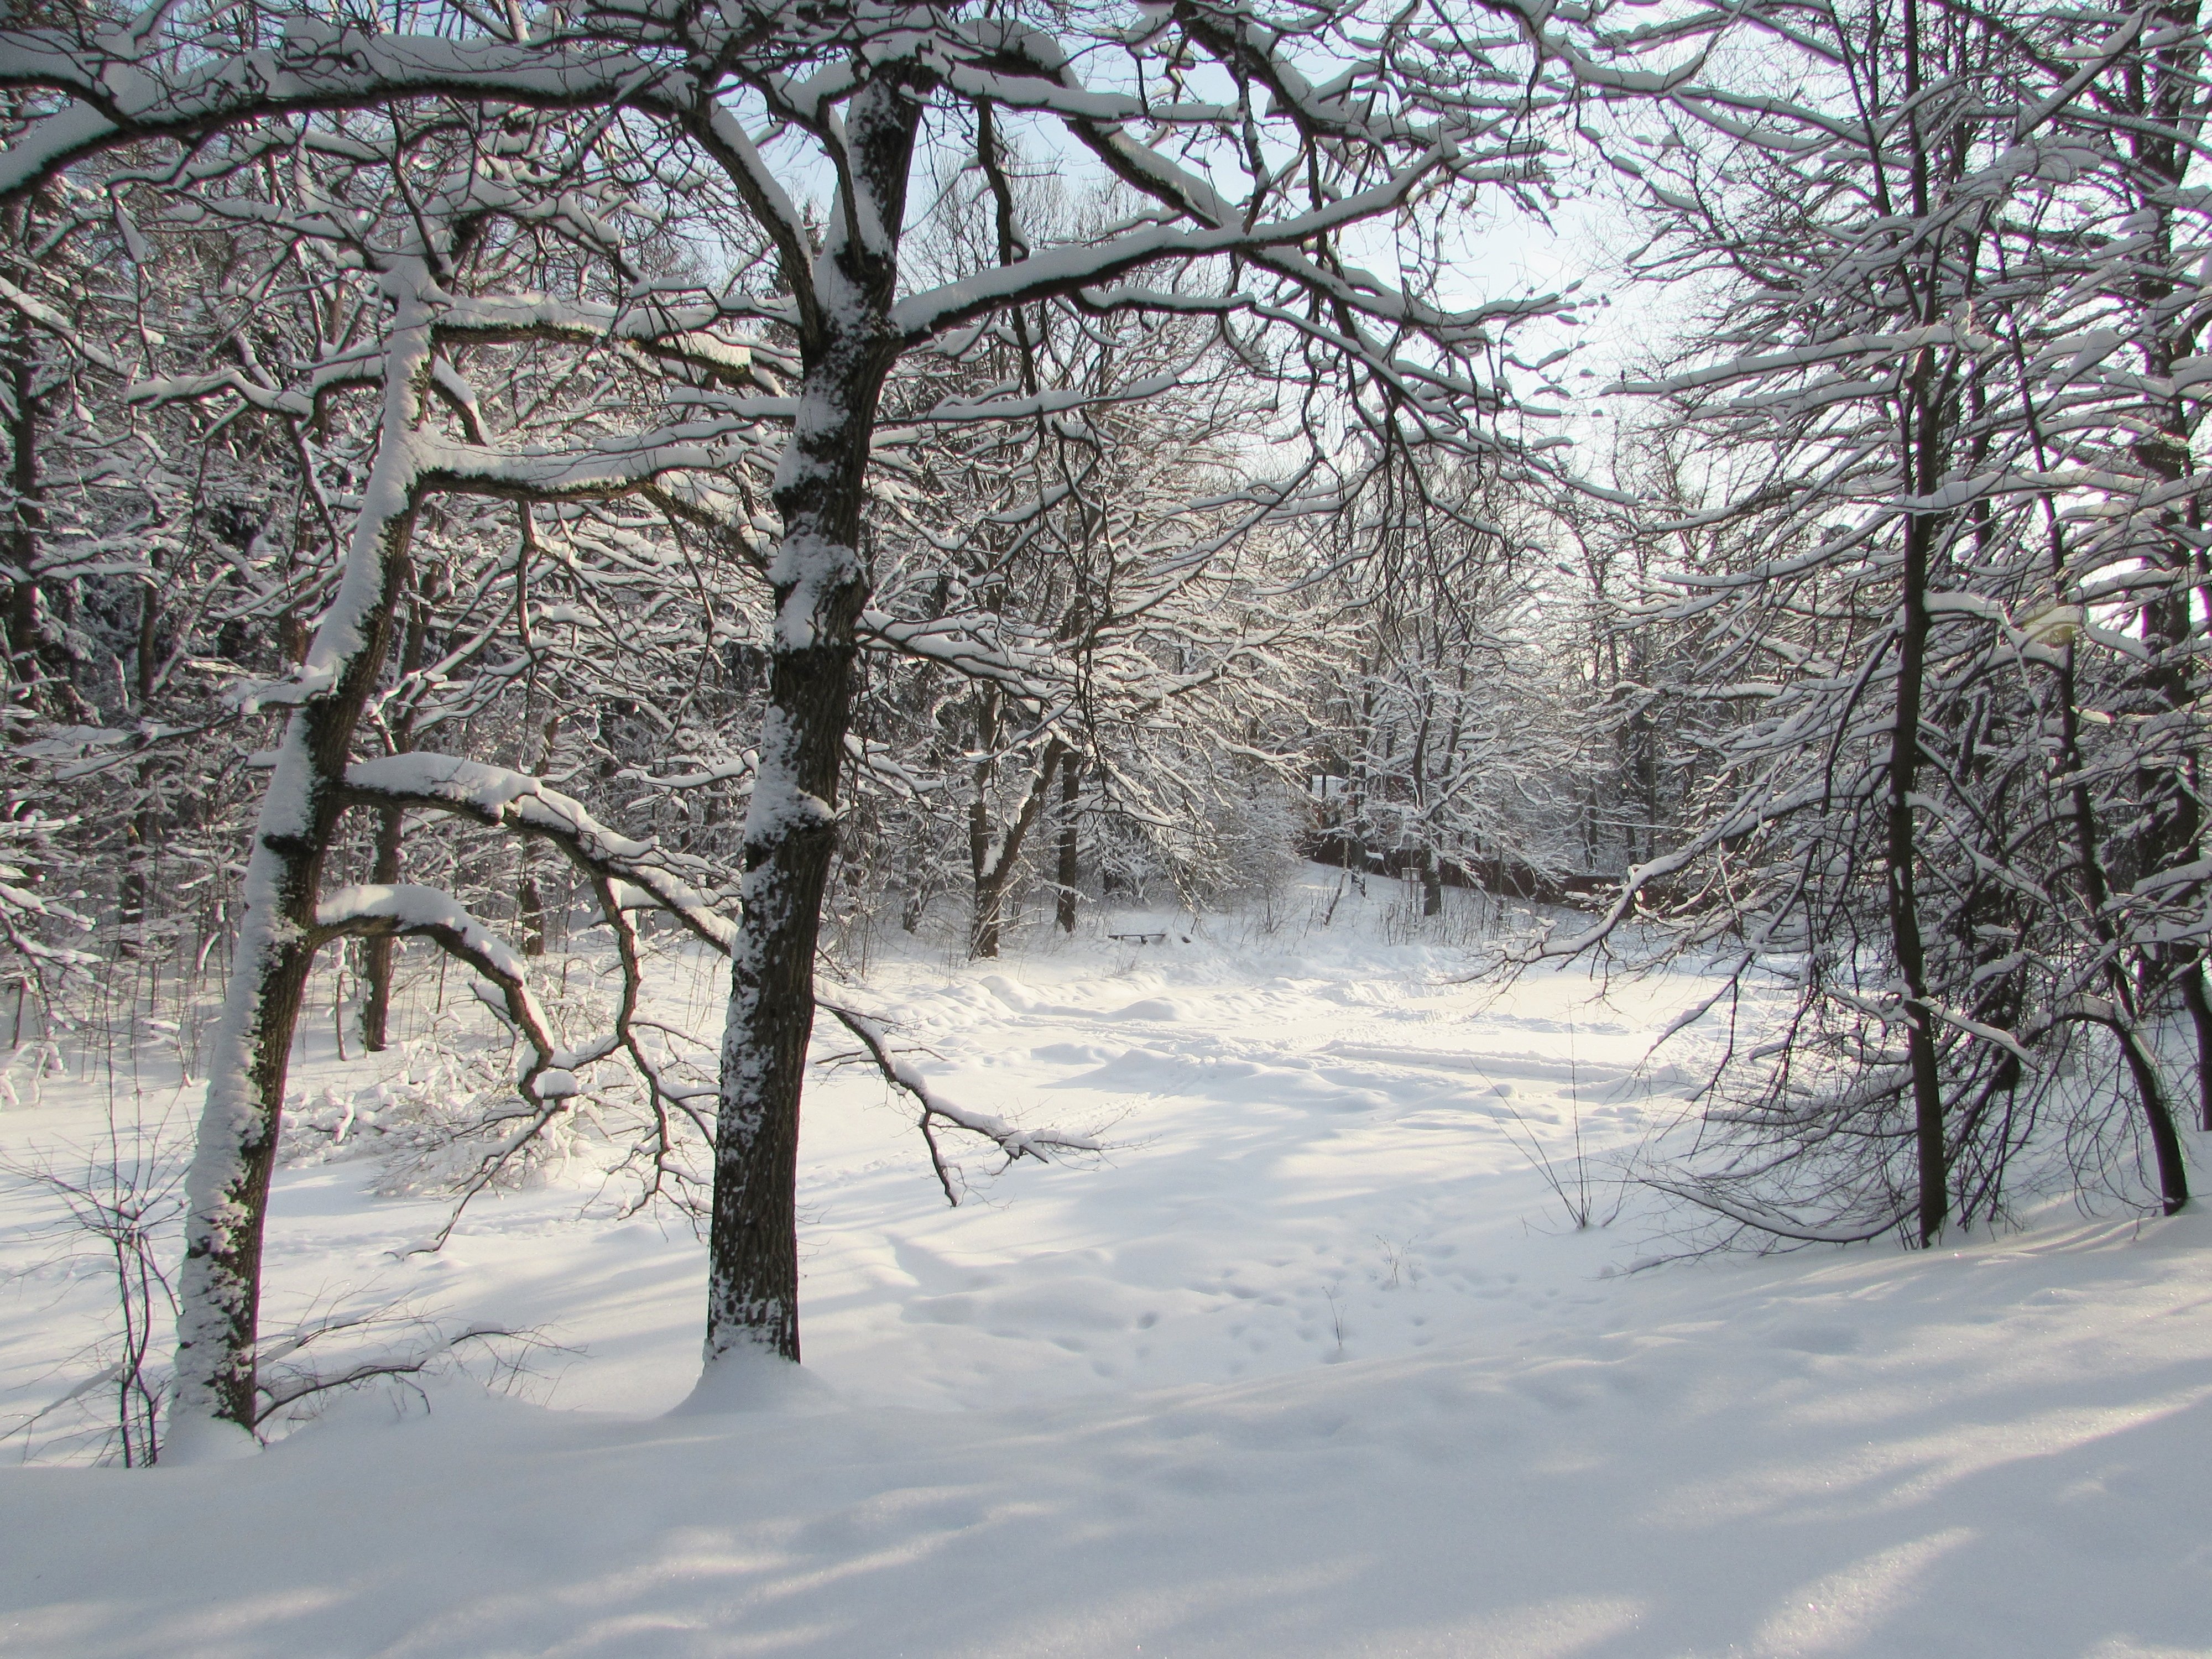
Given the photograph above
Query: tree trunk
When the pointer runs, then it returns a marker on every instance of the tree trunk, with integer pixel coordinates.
(26, 520)
(1071, 793)
(37, 661)
(214, 1402)
(989, 917)
(993, 860)
(529, 897)
(227, 1186)
(529, 905)
(2096, 888)
(2169, 831)
(1904, 902)
(131, 892)
(378, 950)
(2200, 1019)
(986, 874)
(2158, 1115)
(820, 584)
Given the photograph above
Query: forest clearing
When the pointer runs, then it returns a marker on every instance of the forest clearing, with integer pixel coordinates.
(1037, 825)
(1315, 1360)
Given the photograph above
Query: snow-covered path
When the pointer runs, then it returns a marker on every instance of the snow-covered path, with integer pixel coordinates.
(1312, 1364)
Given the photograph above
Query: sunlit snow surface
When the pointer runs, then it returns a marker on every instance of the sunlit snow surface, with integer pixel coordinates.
(1313, 1362)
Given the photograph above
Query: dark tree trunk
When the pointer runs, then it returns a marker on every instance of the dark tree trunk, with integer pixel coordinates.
(133, 891)
(990, 915)
(1928, 1124)
(2158, 1116)
(23, 632)
(2200, 1019)
(1923, 438)
(2171, 830)
(2096, 889)
(821, 583)
(378, 950)
(530, 907)
(529, 896)
(986, 876)
(36, 659)
(1071, 792)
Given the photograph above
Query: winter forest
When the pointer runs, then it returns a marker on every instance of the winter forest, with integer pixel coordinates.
(1457, 748)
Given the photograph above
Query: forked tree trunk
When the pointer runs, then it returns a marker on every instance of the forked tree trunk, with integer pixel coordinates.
(213, 1402)
(820, 584)
(993, 859)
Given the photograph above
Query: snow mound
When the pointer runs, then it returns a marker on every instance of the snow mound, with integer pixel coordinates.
(747, 1380)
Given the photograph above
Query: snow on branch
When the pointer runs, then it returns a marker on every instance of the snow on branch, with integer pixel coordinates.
(627, 876)
(498, 797)
(545, 1075)
(1016, 1143)
(1071, 270)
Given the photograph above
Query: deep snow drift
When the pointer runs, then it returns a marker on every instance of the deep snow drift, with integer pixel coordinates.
(1313, 1362)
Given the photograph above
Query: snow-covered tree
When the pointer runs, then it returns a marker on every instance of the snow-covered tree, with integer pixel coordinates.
(1455, 720)
(1897, 392)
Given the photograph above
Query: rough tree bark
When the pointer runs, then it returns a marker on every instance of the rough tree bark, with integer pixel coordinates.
(820, 582)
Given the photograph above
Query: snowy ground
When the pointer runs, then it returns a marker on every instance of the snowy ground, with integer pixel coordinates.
(1313, 1362)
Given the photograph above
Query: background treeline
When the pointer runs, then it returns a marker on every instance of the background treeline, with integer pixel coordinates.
(1112, 654)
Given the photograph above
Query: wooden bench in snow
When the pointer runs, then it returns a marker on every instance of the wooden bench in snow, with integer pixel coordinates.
(1139, 938)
